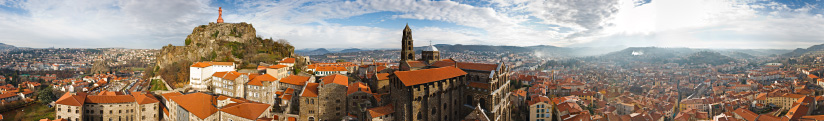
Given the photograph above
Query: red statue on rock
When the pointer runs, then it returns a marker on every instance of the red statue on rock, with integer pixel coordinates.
(220, 17)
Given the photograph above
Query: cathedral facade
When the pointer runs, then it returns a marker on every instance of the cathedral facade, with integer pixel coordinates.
(435, 89)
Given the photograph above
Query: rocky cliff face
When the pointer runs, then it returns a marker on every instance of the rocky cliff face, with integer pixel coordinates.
(204, 40)
(234, 42)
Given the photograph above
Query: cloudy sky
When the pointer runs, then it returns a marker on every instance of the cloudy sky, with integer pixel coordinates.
(378, 23)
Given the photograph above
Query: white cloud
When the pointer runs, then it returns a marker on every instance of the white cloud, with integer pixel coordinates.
(154, 23)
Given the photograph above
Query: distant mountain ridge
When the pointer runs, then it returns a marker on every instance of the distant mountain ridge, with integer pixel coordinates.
(802, 51)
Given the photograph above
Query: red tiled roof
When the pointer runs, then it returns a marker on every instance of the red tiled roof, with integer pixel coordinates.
(415, 64)
(311, 90)
(416, 77)
(295, 80)
(109, 99)
(335, 78)
(767, 117)
(247, 110)
(73, 100)
(144, 98)
(276, 66)
(168, 96)
(7, 95)
(797, 111)
(539, 99)
(382, 76)
(357, 86)
(381, 111)
(259, 79)
(230, 75)
(199, 104)
(746, 114)
(207, 64)
(287, 60)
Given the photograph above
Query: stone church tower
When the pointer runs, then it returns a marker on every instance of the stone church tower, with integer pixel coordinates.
(407, 51)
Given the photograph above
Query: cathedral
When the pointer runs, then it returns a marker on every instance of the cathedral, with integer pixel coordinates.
(435, 89)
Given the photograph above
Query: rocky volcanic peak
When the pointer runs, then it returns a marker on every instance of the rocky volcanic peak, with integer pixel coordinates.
(205, 40)
(232, 32)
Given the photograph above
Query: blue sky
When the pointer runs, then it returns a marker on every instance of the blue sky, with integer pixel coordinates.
(772, 24)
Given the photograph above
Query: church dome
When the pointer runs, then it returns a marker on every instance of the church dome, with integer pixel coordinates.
(430, 48)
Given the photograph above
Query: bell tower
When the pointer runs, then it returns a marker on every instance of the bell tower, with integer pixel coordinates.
(407, 51)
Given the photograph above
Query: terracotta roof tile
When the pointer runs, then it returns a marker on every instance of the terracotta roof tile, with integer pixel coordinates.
(381, 111)
(383, 76)
(109, 99)
(358, 86)
(168, 96)
(73, 100)
(199, 104)
(144, 98)
(311, 90)
(416, 77)
(249, 111)
(335, 78)
(797, 111)
(207, 64)
(261, 78)
(287, 60)
(276, 66)
(295, 80)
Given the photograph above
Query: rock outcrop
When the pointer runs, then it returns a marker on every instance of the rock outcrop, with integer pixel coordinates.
(235, 42)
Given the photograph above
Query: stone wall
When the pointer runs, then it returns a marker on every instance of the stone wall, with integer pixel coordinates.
(68, 112)
(333, 103)
(308, 108)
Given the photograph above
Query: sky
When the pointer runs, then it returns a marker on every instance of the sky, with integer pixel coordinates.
(733, 24)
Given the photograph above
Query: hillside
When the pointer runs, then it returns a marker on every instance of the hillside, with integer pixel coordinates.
(5, 47)
(679, 55)
(319, 51)
(705, 57)
(801, 51)
(235, 42)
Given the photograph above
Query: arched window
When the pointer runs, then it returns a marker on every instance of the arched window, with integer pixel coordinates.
(420, 117)
(311, 118)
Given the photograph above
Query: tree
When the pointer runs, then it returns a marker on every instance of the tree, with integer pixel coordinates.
(45, 95)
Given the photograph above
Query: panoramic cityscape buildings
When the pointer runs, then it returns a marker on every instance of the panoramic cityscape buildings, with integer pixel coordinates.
(229, 70)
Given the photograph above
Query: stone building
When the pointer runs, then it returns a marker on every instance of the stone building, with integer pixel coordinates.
(359, 97)
(480, 83)
(381, 83)
(294, 82)
(428, 94)
(309, 103)
(230, 83)
(407, 51)
(262, 88)
(430, 54)
(199, 72)
(108, 106)
(205, 107)
(332, 91)
(278, 71)
(540, 109)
